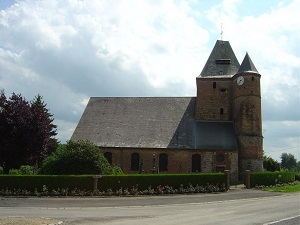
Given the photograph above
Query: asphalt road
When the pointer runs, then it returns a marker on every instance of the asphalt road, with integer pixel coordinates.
(238, 206)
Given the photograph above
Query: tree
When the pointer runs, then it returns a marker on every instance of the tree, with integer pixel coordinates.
(270, 164)
(24, 132)
(40, 104)
(76, 157)
(288, 161)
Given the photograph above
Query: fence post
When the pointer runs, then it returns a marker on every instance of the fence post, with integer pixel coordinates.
(247, 179)
(95, 182)
(227, 173)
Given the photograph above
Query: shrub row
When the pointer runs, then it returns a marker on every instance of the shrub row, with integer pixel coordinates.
(32, 182)
(114, 182)
(271, 178)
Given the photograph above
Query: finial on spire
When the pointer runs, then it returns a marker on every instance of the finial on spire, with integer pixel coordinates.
(221, 32)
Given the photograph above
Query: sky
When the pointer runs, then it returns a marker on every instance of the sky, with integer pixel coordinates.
(71, 50)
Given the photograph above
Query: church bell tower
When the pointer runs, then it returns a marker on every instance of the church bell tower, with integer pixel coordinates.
(247, 116)
(228, 92)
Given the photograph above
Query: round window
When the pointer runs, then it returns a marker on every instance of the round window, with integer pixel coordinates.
(220, 158)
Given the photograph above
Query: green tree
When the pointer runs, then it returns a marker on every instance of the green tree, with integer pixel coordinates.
(270, 164)
(288, 161)
(76, 157)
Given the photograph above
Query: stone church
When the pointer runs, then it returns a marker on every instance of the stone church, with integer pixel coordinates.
(219, 129)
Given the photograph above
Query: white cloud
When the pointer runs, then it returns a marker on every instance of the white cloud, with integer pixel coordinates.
(70, 50)
(282, 136)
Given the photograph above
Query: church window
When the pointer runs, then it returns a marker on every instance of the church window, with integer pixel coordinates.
(196, 163)
(253, 78)
(221, 111)
(220, 158)
(108, 156)
(214, 85)
(163, 162)
(135, 161)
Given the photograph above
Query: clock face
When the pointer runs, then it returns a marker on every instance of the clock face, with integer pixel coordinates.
(240, 80)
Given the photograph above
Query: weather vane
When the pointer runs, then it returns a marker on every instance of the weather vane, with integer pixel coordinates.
(221, 32)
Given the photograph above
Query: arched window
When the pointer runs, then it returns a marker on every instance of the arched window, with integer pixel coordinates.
(214, 85)
(163, 162)
(196, 163)
(135, 160)
(221, 111)
(108, 156)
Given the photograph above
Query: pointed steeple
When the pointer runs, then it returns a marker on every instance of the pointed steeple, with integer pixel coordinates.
(221, 62)
(247, 65)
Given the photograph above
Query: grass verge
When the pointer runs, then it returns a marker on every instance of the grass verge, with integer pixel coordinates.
(287, 188)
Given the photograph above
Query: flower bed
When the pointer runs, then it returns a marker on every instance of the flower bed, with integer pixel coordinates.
(134, 191)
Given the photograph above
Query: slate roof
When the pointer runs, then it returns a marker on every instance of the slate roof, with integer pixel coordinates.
(158, 122)
(247, 65)
(222, 61)
(216, 135)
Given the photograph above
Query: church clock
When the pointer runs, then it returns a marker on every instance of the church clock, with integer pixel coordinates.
(240, 80)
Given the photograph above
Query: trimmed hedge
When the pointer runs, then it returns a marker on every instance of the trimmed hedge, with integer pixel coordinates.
(32, 182)
(271, 178)
(114, 182)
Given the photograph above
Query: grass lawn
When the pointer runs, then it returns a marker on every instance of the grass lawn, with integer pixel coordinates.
(288, 188)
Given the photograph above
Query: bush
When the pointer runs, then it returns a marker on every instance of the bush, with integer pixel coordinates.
(24, 170)
(271, 178)
(117, 170)
(76, 157)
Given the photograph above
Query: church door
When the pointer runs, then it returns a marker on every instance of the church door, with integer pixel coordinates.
(196, 163)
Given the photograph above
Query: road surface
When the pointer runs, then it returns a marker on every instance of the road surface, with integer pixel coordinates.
(239, 206)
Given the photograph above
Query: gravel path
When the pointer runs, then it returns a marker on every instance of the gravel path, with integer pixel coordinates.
(28, 221)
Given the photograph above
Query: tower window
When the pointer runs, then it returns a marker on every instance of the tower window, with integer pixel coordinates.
(221, 111)
(214, 85)
(222, 90)
(253, 78)
(223, 61)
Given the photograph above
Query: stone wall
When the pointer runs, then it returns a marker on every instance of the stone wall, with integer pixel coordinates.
(213, 99)
(179, 160)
